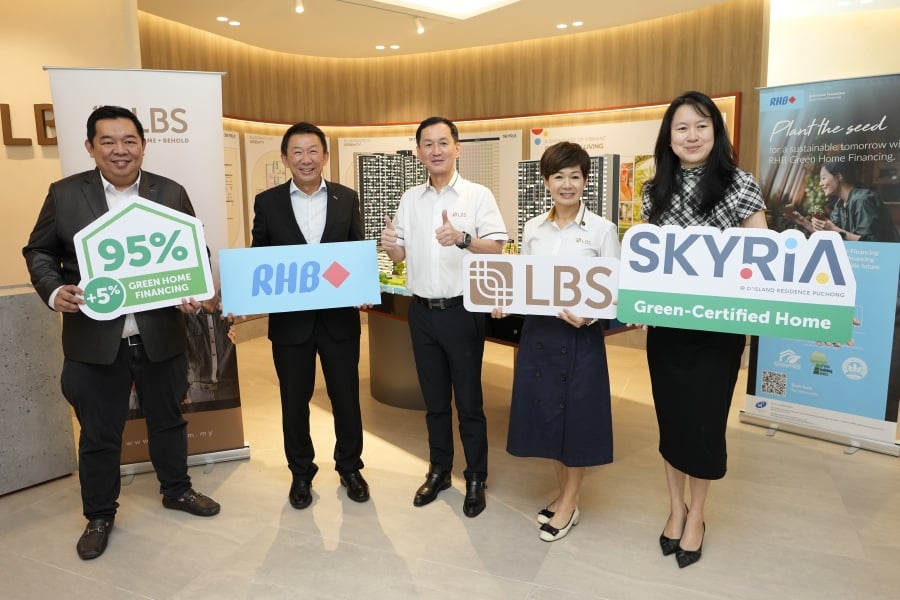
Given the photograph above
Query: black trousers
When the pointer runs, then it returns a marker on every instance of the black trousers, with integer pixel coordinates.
(296, 368)
(449, 347)
(100, 394)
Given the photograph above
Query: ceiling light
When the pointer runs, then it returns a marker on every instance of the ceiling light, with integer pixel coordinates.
(395, 47)
(577, 23)
(458, 9)
(561, 26)
(379, 47)
(298, 6)
(222, 19)
(420, 29)
(234, 23)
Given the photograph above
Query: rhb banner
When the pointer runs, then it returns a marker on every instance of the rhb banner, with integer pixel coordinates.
(300, 277)
(752, 281)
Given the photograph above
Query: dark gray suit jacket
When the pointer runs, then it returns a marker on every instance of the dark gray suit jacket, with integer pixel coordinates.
(73, 203)
(274, 224)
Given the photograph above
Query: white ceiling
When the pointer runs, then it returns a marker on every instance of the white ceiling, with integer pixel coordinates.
(352, 28)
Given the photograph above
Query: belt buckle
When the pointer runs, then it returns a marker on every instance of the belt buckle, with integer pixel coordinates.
(136, 339)
(436, 303)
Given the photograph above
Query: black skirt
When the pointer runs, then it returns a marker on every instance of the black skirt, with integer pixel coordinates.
(693, 374)
(561, 402)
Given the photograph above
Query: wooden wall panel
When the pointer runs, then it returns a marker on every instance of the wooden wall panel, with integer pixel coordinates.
(718, 50)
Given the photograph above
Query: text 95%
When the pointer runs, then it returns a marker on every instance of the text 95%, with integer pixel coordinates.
(140, 251)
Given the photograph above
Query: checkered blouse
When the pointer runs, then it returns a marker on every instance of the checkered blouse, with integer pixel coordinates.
(742, 199)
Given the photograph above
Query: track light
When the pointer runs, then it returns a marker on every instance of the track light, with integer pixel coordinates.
(298, 6)
(420, 28)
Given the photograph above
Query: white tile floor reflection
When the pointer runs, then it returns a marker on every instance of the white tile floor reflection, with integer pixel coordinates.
(794, 518)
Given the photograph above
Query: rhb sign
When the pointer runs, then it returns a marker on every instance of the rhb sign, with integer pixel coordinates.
(301, 277)
(752, 281)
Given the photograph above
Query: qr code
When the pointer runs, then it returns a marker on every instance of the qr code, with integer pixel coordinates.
(774, 383)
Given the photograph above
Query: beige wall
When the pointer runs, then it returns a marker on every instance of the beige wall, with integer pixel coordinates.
(718, 50)
(34, 34)
(834, 46)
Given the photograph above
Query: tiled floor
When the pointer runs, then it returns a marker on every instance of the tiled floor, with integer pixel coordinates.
(794, 518)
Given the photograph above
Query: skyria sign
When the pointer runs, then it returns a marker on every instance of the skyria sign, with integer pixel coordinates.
(750, 281)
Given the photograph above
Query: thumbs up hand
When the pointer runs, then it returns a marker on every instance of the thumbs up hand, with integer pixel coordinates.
(446, 234)
(388, 234)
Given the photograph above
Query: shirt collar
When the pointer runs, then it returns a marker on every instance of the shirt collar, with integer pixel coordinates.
(451, 185)
(579, 218)
(108, 187)
(321, 187)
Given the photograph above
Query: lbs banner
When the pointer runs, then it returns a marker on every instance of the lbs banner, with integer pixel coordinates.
(829, 162)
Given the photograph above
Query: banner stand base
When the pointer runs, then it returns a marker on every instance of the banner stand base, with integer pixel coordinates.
(851, 443)
(193, 460)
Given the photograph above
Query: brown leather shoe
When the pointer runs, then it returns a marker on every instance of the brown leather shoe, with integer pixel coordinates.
(193, 502)
(92, 542)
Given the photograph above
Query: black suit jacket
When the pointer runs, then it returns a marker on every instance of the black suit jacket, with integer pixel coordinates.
(274, 224)
(71, 204)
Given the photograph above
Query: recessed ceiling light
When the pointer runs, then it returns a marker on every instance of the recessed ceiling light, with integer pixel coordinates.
(395, 47)
(577, 23)
(234, 23)
(458, 9)
(561, 26)
(379, 47)
(222, 19)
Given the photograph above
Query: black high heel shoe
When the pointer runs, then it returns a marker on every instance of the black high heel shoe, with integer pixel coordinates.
(686, 558)
(670, 545)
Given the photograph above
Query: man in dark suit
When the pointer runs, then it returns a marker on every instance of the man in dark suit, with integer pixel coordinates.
(309, 210)
(103, 358)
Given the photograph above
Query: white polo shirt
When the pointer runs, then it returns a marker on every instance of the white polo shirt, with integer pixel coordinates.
(435, 271)
(588, 235)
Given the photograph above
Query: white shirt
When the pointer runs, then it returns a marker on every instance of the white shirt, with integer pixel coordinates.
(113, 198)
(309, 210)
(588, 235)
(435, 271)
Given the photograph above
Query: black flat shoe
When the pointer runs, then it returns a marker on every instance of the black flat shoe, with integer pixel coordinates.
(686, 558)
(357, 488)
(193, 502)
(435, 481)
(92, 542)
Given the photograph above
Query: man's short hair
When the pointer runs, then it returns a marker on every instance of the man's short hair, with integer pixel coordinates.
(111, 112)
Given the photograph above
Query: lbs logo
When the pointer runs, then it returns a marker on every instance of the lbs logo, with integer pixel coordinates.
(541, 285)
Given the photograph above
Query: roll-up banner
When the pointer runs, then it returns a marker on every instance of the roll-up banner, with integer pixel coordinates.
(182, 117)
(829, 161)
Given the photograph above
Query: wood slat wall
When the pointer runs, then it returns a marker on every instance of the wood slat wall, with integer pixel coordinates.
(718, 50)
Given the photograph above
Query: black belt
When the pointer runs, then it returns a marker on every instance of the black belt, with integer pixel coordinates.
(133, 340)
(438, 303)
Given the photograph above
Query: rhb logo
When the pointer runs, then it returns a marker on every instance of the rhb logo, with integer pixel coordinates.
(295, 278)
(782, 100)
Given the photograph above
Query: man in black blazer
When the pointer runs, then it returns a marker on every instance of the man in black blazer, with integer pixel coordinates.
(309, 210)
(104, 358)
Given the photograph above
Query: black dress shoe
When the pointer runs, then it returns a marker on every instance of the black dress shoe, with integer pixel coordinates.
(357, 488)
(686, 558)
(193, 502)
(435, 481)
(300, 495)
(474, 502)
(92, 542)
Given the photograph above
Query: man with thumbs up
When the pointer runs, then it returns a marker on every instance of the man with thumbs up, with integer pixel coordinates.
(435, 225)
